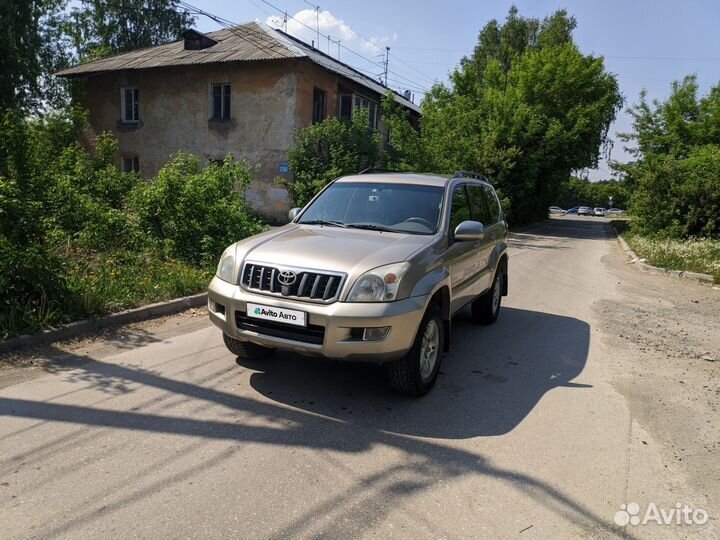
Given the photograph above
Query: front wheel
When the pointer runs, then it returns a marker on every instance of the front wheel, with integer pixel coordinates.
(416, 372)
(486, 308)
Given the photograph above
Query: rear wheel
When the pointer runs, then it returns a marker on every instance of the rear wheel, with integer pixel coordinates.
(416, 372)
(486, 308)
(245, 349)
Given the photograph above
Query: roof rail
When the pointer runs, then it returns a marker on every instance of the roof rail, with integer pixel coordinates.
(470, 174)
(375, 170)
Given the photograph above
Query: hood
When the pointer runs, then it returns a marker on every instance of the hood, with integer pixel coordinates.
(351, 251)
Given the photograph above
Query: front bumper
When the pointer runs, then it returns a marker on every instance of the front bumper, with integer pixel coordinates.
(332, 323)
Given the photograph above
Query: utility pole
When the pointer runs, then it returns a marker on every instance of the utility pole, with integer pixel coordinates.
(285, 22)
(387, 60)
(317, 24)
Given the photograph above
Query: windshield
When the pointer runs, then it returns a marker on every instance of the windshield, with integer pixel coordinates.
(401, 208)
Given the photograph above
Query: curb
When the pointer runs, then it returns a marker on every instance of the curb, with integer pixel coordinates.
(650, 269)
(87, 325)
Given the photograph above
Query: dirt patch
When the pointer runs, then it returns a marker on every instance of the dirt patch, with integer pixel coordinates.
(667, 337)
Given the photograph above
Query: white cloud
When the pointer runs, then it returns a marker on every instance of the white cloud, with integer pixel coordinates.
(329, 25)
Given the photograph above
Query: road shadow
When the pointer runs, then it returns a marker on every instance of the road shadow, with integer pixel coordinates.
(570, 227)
(487, 385)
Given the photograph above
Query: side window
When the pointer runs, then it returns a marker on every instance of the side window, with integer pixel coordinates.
(492, 203)
(129, 105)
(460, 210)
(479, 208)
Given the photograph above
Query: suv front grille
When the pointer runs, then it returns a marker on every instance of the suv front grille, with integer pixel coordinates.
(308, 284)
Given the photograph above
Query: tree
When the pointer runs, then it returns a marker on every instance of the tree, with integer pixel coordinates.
(34, 47)
(107, 27)
(332, 148)
(526, 109)
(676, 171)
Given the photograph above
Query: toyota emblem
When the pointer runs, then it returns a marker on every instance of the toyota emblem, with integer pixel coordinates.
(287, 277)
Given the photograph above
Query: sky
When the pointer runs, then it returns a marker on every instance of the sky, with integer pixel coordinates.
(647, 44)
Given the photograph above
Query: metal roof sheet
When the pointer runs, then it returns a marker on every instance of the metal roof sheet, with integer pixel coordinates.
(247, 42)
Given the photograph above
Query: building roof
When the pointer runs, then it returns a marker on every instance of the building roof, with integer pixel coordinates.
(243, 43)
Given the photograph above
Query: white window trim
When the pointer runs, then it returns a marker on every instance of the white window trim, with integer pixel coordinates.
(356, 98)
(123, 108)
(132, 159)
(222, 102)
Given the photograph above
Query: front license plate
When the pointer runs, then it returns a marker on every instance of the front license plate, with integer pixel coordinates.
(276, 314)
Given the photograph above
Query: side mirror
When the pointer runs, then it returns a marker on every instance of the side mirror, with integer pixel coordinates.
(292, 214)
(470, 230)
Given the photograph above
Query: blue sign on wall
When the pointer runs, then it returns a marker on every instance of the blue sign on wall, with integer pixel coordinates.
(284, 167)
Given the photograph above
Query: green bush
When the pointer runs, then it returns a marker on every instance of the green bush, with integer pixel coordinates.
(78, 237)
(329, 149)
(194, 213)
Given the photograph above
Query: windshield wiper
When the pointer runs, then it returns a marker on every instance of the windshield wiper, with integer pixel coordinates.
(371, 227)
(324, 222)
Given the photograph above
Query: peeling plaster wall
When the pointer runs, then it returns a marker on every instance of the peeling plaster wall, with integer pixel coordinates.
(175, 108)
(269, 101)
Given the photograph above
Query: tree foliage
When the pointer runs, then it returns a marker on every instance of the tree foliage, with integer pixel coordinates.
(34, 47)
(72, 224)
(99, 29)
(329, 149)
(676, 172)
(526, 109)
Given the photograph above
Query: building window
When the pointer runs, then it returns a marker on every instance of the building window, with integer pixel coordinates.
(129, 105)
(361, 102)
(318, 105)
(345, 106)
(130, 164)
(220, 94)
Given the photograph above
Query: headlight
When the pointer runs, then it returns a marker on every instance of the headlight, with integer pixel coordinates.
(378, 285)
(226, 268)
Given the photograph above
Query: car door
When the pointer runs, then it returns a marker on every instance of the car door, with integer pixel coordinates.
(483, 248)
(461, 257)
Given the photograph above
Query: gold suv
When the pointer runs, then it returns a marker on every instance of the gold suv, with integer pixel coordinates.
(372, 269)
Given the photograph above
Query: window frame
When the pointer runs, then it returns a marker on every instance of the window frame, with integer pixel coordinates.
(490, 193)
(464, 187)
(135, 110)
(225, 112)
(317, 114)
(134, 163)
(483, 200)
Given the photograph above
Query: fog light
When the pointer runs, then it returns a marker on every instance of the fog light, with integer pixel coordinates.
(376, 334)
(217, 308)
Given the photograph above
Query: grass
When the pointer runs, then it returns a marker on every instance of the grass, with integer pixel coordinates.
(101, 283)
(700, 255)
(106, 283)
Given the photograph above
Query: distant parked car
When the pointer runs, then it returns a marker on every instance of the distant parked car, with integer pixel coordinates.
(573, 210)
(614, 212)
(557, 211)
(585, 211)
(599, 212)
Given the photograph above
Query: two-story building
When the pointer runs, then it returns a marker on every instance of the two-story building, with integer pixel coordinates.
(242, 90)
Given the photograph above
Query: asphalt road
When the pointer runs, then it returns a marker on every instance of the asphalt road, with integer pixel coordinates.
(540, 426)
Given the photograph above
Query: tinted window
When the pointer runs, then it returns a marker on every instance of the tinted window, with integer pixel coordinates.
(492, 203)
(400, 207)
(480, 212)
(460, 210)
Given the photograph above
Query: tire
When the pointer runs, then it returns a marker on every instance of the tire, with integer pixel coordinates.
(411, 374)
(245, 349)
(486, 308)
